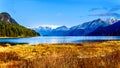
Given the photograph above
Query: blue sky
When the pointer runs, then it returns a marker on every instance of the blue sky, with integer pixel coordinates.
(32, 13)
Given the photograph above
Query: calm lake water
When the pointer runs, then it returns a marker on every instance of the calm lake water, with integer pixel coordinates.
(60, 39)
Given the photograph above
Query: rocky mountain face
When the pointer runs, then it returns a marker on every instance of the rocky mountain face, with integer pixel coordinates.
(10, 28)
(5, 17)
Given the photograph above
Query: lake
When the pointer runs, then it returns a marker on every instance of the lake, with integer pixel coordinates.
(58, 39)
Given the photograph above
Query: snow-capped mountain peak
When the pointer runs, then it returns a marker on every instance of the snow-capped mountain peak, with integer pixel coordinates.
(45, 28)
(111, 20)
(78, 30)
(62, 28)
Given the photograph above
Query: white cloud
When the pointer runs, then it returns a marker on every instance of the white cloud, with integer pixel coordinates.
(52, 26)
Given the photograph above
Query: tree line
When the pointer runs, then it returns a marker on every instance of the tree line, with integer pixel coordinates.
(15, 30)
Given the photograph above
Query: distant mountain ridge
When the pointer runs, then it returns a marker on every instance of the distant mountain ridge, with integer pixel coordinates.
(10, 28)
(87, 27)
(44, 31)
(48, 31)
(79, 30)
(112, 30)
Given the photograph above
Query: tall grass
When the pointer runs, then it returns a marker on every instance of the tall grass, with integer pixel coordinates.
(54, 56)
(66, 61)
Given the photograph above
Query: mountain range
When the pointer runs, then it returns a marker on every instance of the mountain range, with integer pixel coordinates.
(10, 28)
(98, 27)
(112, 30)
(47, 31)
(91, 28)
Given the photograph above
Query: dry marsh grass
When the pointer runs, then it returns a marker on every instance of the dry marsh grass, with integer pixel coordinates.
(82, 55)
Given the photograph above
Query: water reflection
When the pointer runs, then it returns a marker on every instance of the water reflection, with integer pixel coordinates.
(64, 39)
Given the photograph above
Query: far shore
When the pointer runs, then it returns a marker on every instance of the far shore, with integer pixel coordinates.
(18, 37)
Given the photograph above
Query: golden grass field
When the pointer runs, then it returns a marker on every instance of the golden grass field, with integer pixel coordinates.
(77, 55)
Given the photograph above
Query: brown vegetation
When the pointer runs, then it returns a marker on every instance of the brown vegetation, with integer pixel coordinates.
(83, 55)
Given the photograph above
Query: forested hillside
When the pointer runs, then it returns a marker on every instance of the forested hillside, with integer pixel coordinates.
(10, 28)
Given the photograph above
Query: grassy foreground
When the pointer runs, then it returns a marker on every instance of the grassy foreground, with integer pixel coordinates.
(82, 55)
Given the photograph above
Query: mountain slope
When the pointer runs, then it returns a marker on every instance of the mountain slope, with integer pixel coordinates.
(88, 27)
(10, 28)
(60, 31)
(43, 31)
(112, 30)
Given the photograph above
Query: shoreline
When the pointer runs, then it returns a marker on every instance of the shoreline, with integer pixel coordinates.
(15, 43)
(19, 37)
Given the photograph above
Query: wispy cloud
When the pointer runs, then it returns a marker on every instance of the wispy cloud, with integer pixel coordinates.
(112, 9)
(116, 8)
(107, 14)
(95, 9)
(109, 11)
(52, 26)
